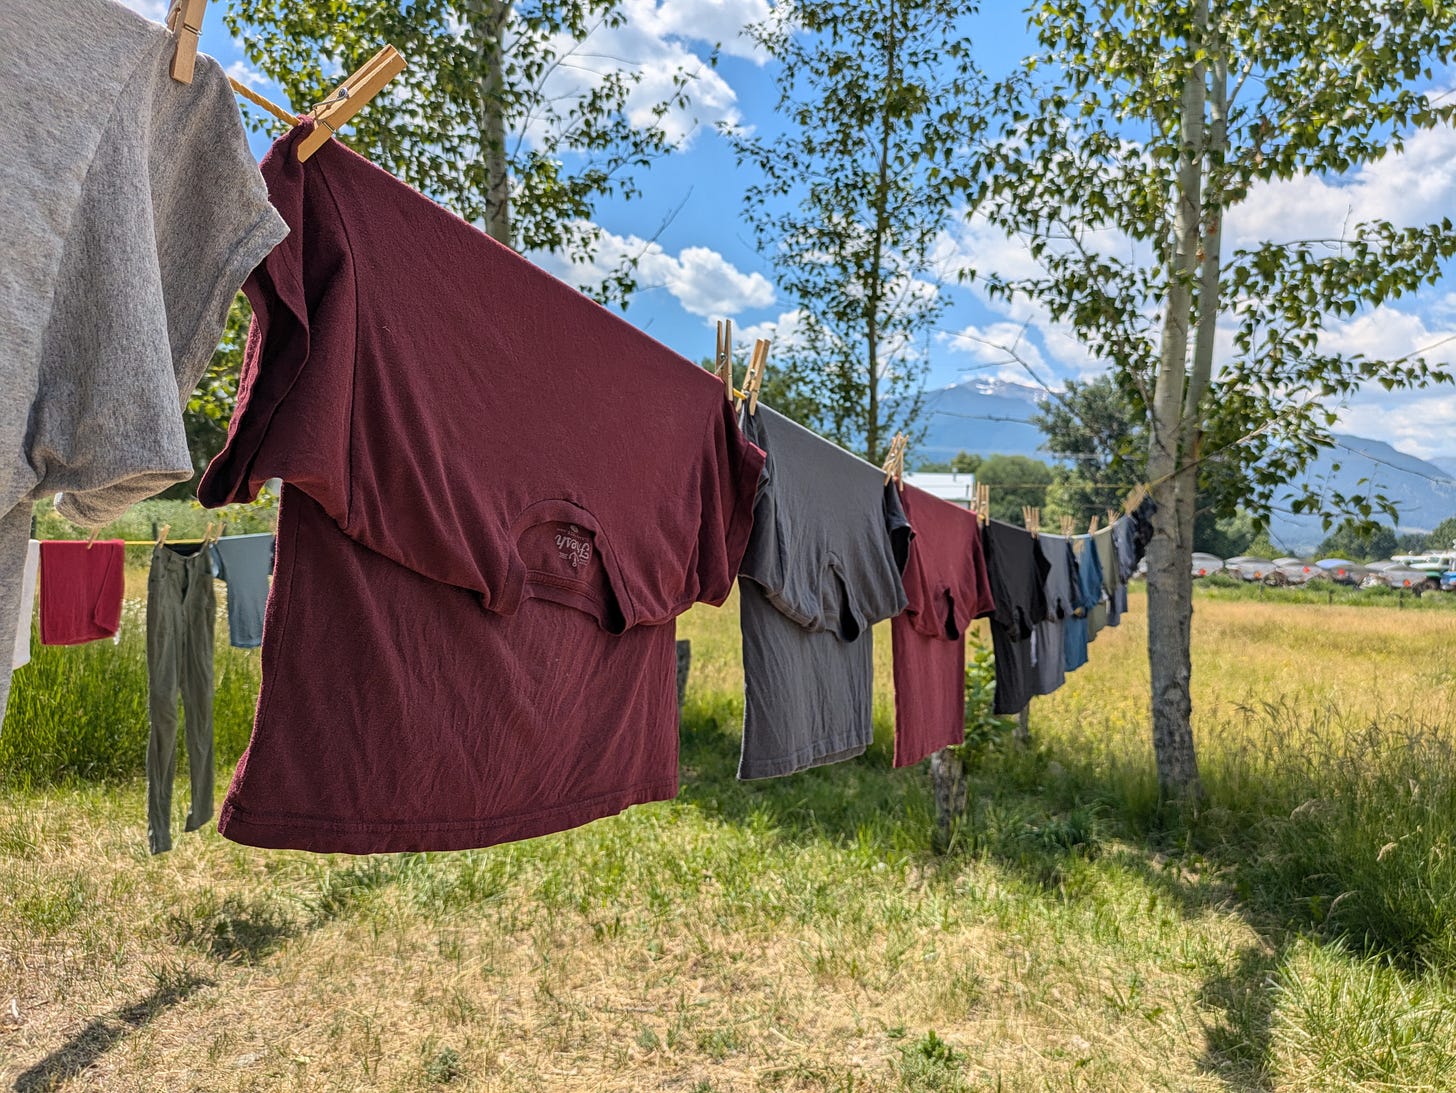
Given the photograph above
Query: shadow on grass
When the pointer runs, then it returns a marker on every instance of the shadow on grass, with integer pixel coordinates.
(83, 1050)
(838, 803)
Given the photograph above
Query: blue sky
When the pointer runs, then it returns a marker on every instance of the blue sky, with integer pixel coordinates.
(703, 264)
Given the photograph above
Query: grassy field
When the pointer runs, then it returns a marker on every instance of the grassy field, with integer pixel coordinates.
(1297, 933)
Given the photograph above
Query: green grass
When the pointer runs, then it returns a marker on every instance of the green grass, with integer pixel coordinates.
(1297, 932)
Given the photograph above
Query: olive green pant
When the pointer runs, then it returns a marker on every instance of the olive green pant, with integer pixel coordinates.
(180, 613)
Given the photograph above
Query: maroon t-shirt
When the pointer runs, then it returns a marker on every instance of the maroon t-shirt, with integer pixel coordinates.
(946, 586)
(81, 586)
(498, 497)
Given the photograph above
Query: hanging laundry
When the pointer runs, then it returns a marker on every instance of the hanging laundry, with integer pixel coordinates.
(1075, 626)
(498, 496)
(823, 566)
(26, 615)
(1018, 570)
(132, 212)
(946, 586)
(1050, 650)
(245, 563)
(181, 611)
(81, 586)
(1114, 594)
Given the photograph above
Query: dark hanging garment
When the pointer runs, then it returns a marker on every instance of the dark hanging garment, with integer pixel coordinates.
(181, 610)
(498, 497)
(1049, 654)
(946, 586)
(1018, 585)
(822, 568)
(1086, 587)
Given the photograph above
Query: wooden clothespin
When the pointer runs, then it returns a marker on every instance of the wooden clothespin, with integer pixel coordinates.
(184, 20)
(723, 357)
(162, 534)
(207, 534)
(895, 462)
(1111, 517)
(1031, 519)
(91, 540)
(1067, 527)
(983, 503)
(1135, 499)
(753, 380)
(1092, 527)
(350, 97)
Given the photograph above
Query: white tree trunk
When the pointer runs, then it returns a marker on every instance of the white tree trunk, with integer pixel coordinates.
(1171, 464)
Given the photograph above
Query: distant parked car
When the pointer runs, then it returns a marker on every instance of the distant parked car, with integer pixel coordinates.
(1288, 561)
(1414, 579)
(1342, 570)
(1297, 572)
(1251, 569)
(1205, 564)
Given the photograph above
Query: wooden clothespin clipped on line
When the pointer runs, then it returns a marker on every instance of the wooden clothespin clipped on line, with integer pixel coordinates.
(350, 97)
(983, 503)
(162, 534)
(1067, 527)
(1031, 518)
(1092, 527)
(1111, 517)
(723, 357)
(753, 380)
(895, 462)
(1134, 499)
(184, 20)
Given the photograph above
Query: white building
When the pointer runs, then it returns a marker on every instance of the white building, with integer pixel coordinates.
(960, 488)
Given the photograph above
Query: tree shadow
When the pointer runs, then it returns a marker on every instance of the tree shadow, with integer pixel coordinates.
(834, 803)
(85, 1049)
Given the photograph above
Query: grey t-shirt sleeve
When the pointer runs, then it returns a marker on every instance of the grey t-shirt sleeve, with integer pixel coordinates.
(173, 216)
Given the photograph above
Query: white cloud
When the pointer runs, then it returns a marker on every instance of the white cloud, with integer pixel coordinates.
(652, 43)
(1414, 186)
(702, 281)
(783, 331)
(715, 22)
(248, 77)
(152, 9)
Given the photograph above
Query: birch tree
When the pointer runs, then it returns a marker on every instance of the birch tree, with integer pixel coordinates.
(1127, 140)
(849, 202)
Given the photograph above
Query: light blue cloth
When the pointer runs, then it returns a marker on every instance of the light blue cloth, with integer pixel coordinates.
(245, 563)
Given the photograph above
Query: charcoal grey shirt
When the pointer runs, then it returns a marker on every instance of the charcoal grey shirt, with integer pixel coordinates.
(822, 567)
(1048, 653)
(132, 212)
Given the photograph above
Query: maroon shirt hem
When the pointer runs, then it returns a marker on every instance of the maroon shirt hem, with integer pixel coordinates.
(322, 835)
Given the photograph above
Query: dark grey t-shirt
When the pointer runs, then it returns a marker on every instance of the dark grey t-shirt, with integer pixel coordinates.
(1048, 654)
(822, 567)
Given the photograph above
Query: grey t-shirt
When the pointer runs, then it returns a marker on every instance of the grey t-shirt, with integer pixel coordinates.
(1048, 653)
(822, 567)
(133, 210)
(245, 563)
(1107, 612)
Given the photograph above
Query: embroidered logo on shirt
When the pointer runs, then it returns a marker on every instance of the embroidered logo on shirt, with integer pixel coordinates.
(572, 546)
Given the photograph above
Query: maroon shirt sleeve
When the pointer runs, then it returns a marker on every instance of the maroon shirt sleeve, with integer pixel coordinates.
(290, 421)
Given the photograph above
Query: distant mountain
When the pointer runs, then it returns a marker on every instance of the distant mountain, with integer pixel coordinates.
(1423, 492)
(990, 417)
(1446, 463)
(980, 416)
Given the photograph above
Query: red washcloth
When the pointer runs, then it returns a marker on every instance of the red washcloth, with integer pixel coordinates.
(80, 590)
